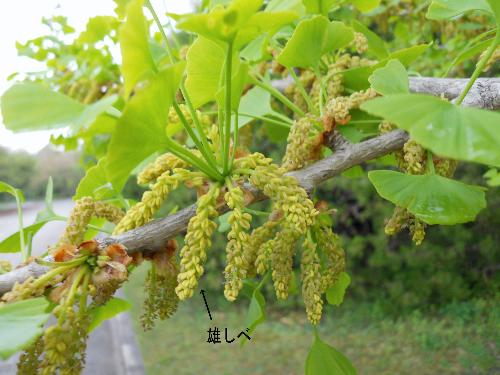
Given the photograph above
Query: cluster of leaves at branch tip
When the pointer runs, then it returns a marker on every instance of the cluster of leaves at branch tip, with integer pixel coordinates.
(77, 273)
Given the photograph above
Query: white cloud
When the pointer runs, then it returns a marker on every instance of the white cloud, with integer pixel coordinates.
(20, 20)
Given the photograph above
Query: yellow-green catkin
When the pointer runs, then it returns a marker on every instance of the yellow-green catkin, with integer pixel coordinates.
(417, 230)
(360, 43)
(312, 289)
(78, 220)
(5, 266)
(263, 260)
(164, 163)
(415, 157)
(25, 290)
(152, 200)
(109, 212)
(160, 302)
(197, 242)
(213, 136)
(300, 144)
(236, 263)
(411, 159)
(29, 361)
(252, 161)
(173, 117)
(397, 221)
(386, 127)
(335, 77)
(339, 108)
(255, 255)
(287, 196)
(282, 261)
(492, 60)
(445, 167)
(331, 245)
(65, 343)
(307, 79)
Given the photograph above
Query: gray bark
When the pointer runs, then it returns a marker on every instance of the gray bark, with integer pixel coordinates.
(485, 93)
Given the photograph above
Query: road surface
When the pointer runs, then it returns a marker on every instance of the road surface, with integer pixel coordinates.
(112, 348)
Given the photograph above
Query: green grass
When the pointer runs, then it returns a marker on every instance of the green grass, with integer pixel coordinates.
(461, 339)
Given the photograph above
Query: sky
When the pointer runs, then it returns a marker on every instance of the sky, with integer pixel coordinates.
(20, 20)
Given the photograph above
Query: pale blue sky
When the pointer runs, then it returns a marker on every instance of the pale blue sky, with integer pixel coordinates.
(20, 20)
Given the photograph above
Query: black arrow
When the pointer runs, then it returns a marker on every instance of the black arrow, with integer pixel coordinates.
(202, 292)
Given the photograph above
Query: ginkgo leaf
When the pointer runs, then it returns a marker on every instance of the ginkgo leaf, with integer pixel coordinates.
(205, 70)
(319, 6)
(357, 79)
(141, 129)
(391, 79)
(335, 293)
(48, 109)
(137, 61)
(204, 67)
(9, 189)
(21, 323)
(325, 359)
(95, 183)
(256, 313)
(431, 198)
(291, 5)
(113, 307)
(262, 22)
(238, 23)
(445, 9)
(97, 28)
(11, 244)
(444, 128)
(312, 39)
(255, 103)
(365, 5)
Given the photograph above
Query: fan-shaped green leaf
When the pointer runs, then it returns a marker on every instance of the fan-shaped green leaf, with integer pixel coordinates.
(446, 129)
(205, 61)
(255, 103)
(431, 198)
(319, 6)
(312, 39)
(444, 9)
(9, 189)
(357, 79)
(11, 244)
(95, 183)
(365, 5)
(21, 323)
(290, 5)
(112, 308)
(324, 359)
(391, 79)
(47, 109)
(256, 313)
(137, 61)
(239, 23)
(141, 129)
(335, 293)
